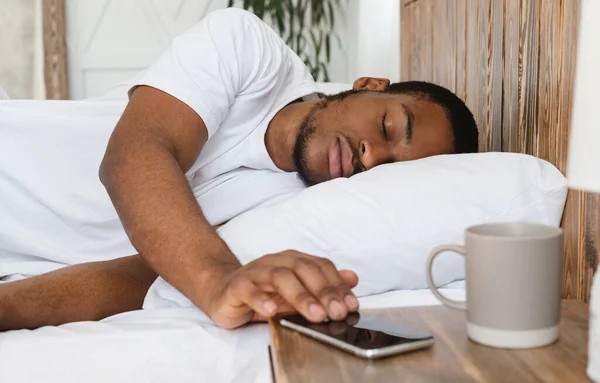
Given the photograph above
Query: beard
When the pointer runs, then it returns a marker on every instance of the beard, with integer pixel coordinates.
(306, 132)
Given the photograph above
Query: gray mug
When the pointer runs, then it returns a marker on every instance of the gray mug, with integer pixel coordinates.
(513, 283)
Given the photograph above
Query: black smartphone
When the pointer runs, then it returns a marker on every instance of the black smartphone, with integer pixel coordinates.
(362, 335)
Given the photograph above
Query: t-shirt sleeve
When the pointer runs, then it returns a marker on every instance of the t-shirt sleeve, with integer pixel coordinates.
(215, 61)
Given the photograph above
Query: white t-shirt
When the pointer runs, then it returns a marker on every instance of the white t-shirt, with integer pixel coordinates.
(231, 69)
(236, 73)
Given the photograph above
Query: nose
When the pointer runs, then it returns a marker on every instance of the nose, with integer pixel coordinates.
(371, 155)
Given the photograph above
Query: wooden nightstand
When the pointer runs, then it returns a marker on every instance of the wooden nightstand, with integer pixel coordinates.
(453, 358)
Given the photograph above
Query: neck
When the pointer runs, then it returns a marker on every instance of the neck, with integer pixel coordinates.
(282, 132)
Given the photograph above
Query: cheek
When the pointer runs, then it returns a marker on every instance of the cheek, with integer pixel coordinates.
(434, 144)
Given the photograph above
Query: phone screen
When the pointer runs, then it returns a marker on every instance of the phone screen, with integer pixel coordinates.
(363, 331)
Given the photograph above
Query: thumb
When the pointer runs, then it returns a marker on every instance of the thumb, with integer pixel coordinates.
(349, 277)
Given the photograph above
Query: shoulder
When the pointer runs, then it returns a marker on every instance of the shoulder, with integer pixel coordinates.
(234, 14)
(234, 19)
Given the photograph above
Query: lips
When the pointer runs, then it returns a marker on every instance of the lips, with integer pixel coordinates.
(347, 157)
(340, 159)
(335, 159)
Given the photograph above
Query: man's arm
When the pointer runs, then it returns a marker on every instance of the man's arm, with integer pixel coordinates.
(156, 141)
(84, 292)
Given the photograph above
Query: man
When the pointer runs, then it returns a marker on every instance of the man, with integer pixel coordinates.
(229, 94)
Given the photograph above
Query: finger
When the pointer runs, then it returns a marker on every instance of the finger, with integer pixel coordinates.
(325, 289)
(288, 285)
(283, 308)
(335, 279)
(251, 295)
(349, 277)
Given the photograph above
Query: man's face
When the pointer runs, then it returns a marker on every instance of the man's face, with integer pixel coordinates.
(340, 138)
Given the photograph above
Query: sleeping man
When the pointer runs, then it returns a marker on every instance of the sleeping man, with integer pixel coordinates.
(227, 95)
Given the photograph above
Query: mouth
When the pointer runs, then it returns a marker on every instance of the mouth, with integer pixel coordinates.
(341, 159)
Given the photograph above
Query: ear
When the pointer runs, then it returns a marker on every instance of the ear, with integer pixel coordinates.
(371, 83)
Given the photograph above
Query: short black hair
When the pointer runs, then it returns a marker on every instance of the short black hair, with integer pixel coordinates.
(464, 127)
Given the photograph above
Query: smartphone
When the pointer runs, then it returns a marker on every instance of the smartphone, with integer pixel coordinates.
(363, 335)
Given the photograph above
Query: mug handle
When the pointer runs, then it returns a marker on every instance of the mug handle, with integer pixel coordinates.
(459, 305)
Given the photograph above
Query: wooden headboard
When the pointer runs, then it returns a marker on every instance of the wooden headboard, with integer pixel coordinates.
(513, 62)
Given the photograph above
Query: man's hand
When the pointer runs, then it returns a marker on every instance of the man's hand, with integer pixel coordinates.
(284, 283)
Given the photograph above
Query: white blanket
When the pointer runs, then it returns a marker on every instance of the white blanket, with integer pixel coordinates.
(53, 209)
(166, 345)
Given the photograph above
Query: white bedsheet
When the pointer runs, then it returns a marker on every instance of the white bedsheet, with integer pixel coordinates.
(165, 345)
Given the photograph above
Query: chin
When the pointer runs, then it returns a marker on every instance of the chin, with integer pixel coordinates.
(308, 173)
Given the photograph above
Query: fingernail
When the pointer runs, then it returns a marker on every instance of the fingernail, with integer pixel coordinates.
(316, 312)
(352, 302)
(336, 309)
(269, 306)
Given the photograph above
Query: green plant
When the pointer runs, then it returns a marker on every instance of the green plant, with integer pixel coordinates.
(307, 26)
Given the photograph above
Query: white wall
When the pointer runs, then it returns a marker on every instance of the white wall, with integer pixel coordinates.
(375, 39)
(110, 40)
(21, 49)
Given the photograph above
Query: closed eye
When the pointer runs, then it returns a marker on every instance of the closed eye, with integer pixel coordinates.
(383, 130)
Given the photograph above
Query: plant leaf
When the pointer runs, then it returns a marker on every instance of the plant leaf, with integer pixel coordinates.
(230, 3)
(325, 71)
(259, 8)
(292, 12)
(328, 47)
(331, 15)
(302, 43)
(279, 15)
(246, 4)
(297, 50)
(313, 39)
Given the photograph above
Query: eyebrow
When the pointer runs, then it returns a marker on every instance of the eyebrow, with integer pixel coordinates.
(410, 117)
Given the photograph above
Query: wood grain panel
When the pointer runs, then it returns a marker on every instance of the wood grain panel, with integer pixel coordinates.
(460, 15)
(548, 78)
(449, 35)
(417, 42)
(421, 47)
(528, 76)
(482, 30)
(443, 54)
(510, 91)
(474, 87)
(55, 49)
(576, 255)
(427, 63)
(406, 46)
(496, 37)
(514, 63)
(568, 23)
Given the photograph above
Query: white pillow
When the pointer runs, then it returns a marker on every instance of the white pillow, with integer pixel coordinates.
(383, 223)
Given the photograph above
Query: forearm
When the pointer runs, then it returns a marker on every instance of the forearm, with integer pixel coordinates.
(163, 220)
(89, 291)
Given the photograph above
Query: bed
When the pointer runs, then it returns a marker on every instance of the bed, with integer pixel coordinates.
(515, 70)
(166, 345)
